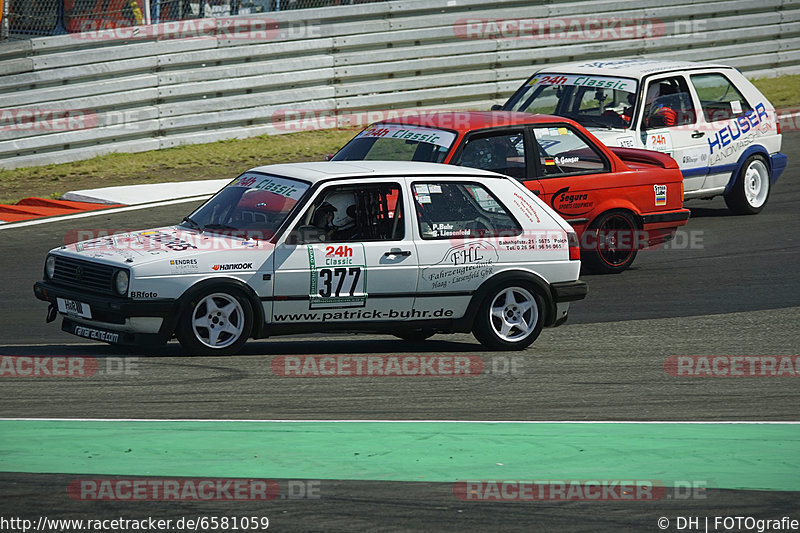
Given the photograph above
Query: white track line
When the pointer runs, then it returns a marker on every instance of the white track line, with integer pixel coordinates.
(85, 214)
(397, 421)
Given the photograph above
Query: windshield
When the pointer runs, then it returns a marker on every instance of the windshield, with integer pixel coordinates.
(593, 101)
(396, 142)
(253, 205)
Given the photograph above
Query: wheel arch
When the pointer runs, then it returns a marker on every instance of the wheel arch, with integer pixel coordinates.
(755, 149)
(186, 299)
(540, 285)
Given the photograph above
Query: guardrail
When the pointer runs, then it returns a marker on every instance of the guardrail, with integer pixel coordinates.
(72, 97)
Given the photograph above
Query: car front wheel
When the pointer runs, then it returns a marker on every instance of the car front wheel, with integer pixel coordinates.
(751, 189)
(510, 318)
(216, 322)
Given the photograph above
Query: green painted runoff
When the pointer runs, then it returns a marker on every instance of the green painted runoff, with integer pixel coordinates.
(733, 456)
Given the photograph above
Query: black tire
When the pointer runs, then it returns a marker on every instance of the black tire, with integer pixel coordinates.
(221, 331)
(498, 311)
(415, 335)
(610, 242)
(750, 191)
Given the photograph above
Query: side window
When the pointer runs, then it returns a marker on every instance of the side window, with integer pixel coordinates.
(561, 151)
(460, 210)
(718, 96)
(503, 153)
(352, 213)
(668, 103)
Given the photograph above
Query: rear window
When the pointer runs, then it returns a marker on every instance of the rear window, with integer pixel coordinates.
(461, 210)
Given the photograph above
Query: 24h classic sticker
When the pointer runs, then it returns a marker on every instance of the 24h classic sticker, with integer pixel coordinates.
(338, 276)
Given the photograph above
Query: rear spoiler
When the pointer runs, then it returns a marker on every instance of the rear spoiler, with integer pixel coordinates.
(647, 157)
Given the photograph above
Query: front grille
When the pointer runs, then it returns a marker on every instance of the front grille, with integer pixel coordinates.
(84, 274)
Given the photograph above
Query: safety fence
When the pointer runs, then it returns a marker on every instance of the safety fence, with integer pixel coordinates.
(27, 18)
(130, 89)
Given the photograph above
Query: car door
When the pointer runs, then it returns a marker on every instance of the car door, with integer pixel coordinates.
(569, 171)
(669, 123)
(349, 257)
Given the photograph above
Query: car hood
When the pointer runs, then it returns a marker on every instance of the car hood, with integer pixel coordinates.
(171, 244)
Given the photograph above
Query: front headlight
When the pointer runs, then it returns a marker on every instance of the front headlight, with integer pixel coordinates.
(121, 280)
(50, 266)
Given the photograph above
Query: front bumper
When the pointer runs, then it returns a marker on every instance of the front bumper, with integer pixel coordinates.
(114, 319)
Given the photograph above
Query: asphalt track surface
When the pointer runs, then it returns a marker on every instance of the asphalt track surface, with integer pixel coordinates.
(727, 286)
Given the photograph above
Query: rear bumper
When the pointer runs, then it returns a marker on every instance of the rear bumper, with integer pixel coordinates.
(777, 164)
(569, 291)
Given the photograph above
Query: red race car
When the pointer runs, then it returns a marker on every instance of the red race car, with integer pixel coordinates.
(619, 200)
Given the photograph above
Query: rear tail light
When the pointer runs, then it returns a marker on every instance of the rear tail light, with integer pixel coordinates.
(574, 246)
(777, 123)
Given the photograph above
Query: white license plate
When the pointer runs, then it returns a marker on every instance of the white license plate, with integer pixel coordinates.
(74, 308)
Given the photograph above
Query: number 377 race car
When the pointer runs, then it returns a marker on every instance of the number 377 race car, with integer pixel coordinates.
(408, 249)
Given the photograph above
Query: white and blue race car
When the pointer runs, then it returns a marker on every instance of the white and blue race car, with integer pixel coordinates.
(409, 249)
(721, 130)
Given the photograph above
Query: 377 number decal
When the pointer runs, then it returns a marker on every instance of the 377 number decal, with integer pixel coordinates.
(340, 278)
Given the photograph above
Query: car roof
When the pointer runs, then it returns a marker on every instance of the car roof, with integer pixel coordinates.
(325, 170)
(630, 68)
(464, 121)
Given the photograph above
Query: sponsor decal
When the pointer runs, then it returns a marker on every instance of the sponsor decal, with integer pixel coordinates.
(523, 204)
(738, 127)
(465, 263)
(626, 142)
(572, 204)
(660, 142)
(232, 266)
(143, 294)
(694, 157)
(599, 82)
(184, 265)
(338, 276)
(661, 194)
(168, 240)
(95, 334)
(409, 133)
(363, 314)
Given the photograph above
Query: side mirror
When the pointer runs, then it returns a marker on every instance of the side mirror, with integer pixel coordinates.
(329, 157)
(496, 107)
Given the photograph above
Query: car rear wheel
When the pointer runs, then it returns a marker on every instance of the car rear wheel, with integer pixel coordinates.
(751, 189)
(612, 244)
(510, 318)
(216, 322)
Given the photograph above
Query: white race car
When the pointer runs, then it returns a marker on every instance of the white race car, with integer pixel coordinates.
(721, 130)
(409, 249)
